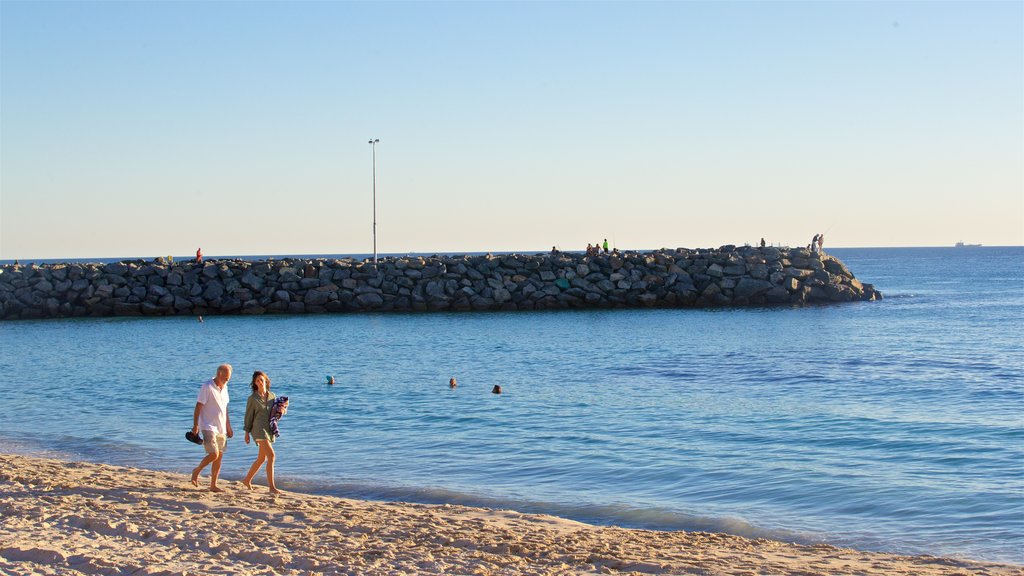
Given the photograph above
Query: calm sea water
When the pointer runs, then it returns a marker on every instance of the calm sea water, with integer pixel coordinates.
(895, 425)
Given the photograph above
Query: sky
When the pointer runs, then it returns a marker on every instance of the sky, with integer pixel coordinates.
(141, 129)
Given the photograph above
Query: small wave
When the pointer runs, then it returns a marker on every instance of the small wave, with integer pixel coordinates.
(621, 515)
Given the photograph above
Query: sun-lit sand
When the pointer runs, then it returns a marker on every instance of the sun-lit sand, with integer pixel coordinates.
(61, 517)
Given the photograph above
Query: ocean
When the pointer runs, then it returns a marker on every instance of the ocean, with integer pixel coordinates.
(895, 425)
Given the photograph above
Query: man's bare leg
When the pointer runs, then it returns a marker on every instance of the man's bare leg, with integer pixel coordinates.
(195, 472)
(215, 472)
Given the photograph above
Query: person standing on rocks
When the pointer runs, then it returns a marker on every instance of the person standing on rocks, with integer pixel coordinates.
(605, 245)
(821, 243)
(211, 416)
(199, 256)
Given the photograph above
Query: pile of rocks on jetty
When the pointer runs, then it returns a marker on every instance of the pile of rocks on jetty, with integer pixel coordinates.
(727, 276)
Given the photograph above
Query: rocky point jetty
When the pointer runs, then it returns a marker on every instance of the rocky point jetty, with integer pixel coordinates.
(681, 278)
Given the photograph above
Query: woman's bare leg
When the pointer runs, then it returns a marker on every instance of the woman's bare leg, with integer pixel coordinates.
(271, 455)
(260, 457)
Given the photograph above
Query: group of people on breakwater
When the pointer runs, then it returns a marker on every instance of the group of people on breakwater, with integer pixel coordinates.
(211, 424)
(595, 249)
(817, 245)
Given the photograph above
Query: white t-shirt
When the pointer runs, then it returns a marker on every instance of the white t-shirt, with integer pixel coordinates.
(214, 413)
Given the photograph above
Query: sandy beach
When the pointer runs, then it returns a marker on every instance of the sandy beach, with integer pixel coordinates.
(60, 517)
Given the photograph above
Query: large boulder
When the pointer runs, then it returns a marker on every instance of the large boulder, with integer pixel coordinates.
(117, 268)
(836, 267)
(748, 287)
(777, 295)
(213, 290)
(370, 300)
(316, 298)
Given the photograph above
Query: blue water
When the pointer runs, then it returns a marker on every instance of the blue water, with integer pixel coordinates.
(895, 425)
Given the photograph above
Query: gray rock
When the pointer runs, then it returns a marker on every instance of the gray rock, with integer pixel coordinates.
(777, 295)
(370, 300)
(501, 295)
(799, 273)
(710, 291)
(434, 289)
(840, 293)
(836, 267)
(116, 268)
(315, 298)
(748, 287)
(214, 290)
(210, 270)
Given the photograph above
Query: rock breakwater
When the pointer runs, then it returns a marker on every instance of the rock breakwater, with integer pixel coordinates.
(726, 276)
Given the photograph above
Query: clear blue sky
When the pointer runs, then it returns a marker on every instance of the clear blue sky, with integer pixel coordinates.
(149, 128)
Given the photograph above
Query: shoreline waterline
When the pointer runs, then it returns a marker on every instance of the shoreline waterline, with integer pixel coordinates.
(78, 517)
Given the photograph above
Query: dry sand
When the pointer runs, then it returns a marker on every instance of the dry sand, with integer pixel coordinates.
(77, 518)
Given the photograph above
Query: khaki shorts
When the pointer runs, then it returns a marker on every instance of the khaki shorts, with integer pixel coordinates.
(214, 442)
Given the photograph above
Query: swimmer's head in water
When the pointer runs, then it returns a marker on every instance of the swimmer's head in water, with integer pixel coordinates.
(330, 380)
(496, 389)
(452, 383)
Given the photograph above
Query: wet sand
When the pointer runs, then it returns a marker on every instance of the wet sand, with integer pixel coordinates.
(62, 518)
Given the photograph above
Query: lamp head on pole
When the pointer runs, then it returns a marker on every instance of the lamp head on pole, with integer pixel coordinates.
(374, 141)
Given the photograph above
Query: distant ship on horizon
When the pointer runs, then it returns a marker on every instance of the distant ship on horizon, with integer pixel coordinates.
(962, 245)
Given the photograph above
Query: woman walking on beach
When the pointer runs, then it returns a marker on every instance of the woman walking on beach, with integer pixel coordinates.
(257, 418)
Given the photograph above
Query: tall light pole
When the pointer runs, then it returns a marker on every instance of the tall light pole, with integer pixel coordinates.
(373, 146)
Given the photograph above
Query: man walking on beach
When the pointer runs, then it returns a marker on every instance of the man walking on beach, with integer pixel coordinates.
(211, 416)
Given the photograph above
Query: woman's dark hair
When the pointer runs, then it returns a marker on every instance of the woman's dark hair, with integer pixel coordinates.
(256, 375)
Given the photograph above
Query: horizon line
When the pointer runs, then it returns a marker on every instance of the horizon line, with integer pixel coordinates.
(186, 258)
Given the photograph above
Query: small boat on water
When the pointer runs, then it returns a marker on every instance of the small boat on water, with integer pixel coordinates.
(962, 245)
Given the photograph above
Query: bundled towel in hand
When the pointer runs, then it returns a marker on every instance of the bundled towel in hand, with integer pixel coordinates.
(278, 409)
